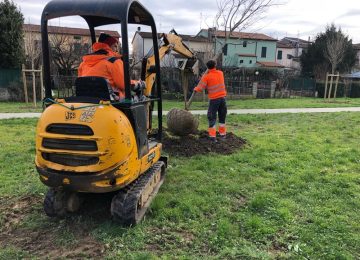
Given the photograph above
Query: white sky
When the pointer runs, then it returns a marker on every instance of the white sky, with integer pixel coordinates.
(295, 18)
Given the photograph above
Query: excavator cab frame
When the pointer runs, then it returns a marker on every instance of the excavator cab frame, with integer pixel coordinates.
(90, 144)
(98, 13)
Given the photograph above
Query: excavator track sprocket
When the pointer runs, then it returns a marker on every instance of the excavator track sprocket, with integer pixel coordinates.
(130, 204)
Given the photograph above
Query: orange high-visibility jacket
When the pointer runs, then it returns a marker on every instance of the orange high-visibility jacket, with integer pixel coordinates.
(103, 62)
(214, 82)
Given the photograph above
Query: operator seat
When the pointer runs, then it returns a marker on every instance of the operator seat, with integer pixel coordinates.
(96, 87)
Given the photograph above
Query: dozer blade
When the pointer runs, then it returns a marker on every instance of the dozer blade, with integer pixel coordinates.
(129, 206)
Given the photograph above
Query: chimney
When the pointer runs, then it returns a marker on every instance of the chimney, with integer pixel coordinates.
(139, 29)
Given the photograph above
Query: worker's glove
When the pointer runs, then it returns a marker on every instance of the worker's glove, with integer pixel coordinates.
(139, 87)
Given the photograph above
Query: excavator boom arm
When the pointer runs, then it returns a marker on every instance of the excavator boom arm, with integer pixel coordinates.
(171, 42)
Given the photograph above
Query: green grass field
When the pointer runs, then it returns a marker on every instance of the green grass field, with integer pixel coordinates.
(14, 107)
(270, 103)
(292, 193)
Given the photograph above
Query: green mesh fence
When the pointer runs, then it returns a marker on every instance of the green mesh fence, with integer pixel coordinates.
(302, 84)
(9, 75)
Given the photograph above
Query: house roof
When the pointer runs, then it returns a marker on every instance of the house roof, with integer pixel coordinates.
(269, 64)
(66, 30)
(290, 43)
(245, 35)
(355, 75)
(283, 45)
(246, 55)
(356, 46)
(184, 37)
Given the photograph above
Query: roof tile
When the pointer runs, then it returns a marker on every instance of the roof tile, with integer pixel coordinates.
(67, 30)
(245, 35)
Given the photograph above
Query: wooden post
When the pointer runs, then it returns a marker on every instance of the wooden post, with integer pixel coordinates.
(185, 85)
(331, 83)
(326, 83)
(25, 85)
(41, 83)
(336, 84)
(33, 82)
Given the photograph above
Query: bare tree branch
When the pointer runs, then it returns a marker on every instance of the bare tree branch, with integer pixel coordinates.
(64, 54)
(237, 15)
(335, 50)
(32, 49)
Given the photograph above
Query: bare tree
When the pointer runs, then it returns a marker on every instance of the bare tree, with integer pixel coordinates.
(335, 50)
(66, 54)
(238, 15)
(32, 49)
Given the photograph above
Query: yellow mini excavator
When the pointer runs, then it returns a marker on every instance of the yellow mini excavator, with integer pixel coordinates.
(90, 143)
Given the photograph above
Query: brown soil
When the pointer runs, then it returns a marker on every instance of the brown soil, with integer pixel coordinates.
(199, 143)
(43, 242)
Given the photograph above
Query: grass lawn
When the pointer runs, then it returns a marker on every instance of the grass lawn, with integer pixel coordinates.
(271, 103)
(7, 107)
(294, 192)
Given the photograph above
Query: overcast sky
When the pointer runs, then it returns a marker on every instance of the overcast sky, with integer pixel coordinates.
(295, 18)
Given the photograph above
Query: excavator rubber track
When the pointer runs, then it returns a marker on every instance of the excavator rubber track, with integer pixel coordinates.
(129, 206)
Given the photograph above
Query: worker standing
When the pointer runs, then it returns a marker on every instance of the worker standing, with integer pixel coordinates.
(105, 62)
(213, 82)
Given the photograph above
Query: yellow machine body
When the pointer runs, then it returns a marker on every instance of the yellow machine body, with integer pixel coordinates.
(89, 149)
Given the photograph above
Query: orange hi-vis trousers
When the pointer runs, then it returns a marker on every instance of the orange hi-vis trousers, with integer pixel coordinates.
(222, 129)
(217, 107)
(212, 132)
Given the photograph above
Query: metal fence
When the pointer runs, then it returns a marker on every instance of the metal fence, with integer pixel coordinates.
(239, 83)
(63, 86)
(304, 87)
(264, 89)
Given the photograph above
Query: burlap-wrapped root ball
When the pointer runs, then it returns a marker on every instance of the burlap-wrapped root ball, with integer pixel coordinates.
(181, 122)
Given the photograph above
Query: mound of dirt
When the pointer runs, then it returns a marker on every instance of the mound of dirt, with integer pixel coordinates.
(199, 143)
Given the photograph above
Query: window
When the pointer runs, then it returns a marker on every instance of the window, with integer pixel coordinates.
(180, 64)
(263, 52)
(241, 61)
(279, 56)
(250, 61)
(244, 44)
(225, 49)
(77, 37)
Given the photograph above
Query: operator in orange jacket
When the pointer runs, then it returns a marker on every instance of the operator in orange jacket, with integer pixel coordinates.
(213, 82)
(106, 62)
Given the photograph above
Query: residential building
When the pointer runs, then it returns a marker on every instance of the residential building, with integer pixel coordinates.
(76, 37)
(289, 50)
(244, 50)
(68, 45)
(142, 43)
